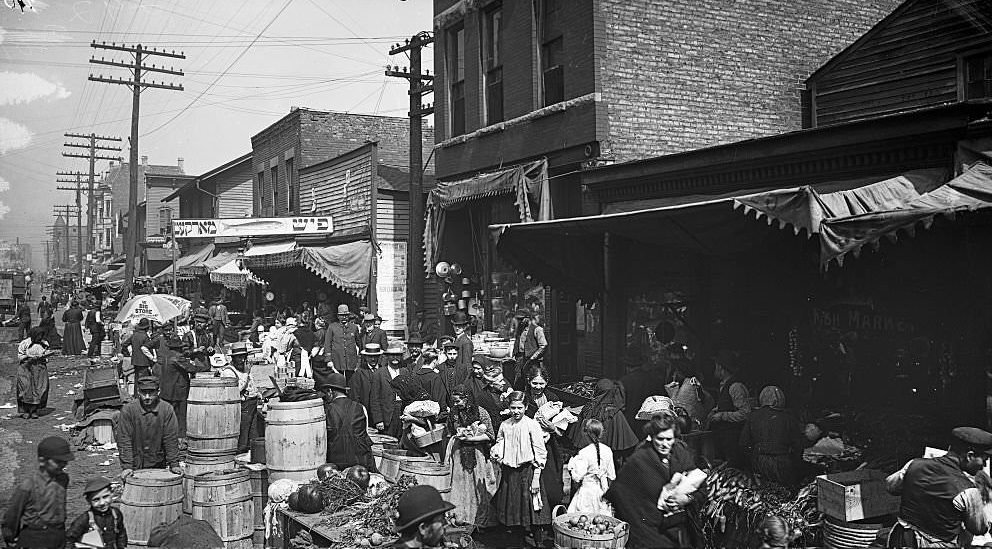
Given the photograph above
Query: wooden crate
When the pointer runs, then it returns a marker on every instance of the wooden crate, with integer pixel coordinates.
(855, 495)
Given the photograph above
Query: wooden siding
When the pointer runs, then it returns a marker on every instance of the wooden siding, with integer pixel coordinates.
(909, 61)
(342, 188)
(153, 197)
(235, 199)
(392, 216)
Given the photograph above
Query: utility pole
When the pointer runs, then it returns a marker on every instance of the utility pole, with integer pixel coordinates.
(92, 156)
(79, 214)
(418, 110)
(66, 211)
(136, 85)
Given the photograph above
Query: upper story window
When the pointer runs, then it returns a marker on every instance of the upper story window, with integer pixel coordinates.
(978, 75)
(260, 193)
(164, 220)
(455, 49)
(275, 189)
(294, 189)
(552, 61)
(492, 40)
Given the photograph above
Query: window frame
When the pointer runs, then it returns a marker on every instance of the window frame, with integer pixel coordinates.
(491, 50)
(962, 65)
(546, 38)
(274, 175)
(451, 69)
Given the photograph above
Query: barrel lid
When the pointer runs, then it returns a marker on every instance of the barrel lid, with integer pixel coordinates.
(152, 474)
(309, 403)
(214, 381)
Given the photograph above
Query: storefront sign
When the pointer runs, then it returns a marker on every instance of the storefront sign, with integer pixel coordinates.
(6, 288)
(252, 226)
(390, 285)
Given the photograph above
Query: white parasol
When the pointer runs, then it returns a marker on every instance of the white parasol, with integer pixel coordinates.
(158, 307)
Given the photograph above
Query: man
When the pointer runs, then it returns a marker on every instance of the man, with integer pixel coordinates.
(733, 404)
(371, 333)
(415, 351)
(199, 340)
(24, 319)
(386, 404)
(463, 366)
(219, 319)
(250, 397)
(35, 515)
(340, 340)
(94, 323)
(530, 346)
(427, 331)
(421, 521)
(142, 357)
(44, 308)
(348, 441)
(175, 370)
(147, 431)
(939, 495)
(360, 383)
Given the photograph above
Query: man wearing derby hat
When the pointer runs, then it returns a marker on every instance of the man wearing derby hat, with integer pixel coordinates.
(421, 521)
(348, 441)
(360, 384)
(463, 366)
(142, 356)
(371, 333)
(340, 343)
(35, 515)
(939, 495)
(174, 371)
(147, 431)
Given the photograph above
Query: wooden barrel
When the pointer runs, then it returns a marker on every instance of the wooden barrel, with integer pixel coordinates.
(838, 534)
(378, 448)
(295, 439)
(203, 461)
(431, 473)
(392, 458)
(259, 497)
(213, 413)
(151, 497)
(223, 499)
(565, 536)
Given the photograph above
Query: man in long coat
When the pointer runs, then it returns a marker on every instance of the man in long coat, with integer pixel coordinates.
(175, 375)
(386, 405)
(340, 342)
(360, 384)
(463, 366)
(348, 441)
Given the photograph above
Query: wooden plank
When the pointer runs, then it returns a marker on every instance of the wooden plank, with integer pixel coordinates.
(341, 188)
(859, 114)
(937, 74)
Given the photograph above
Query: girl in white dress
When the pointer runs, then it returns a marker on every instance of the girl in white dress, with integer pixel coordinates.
(593, 469)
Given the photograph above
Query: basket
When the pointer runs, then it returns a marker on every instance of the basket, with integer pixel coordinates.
(567, 537)
(431, 437)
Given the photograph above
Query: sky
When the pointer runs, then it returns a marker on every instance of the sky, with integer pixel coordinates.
(247, 63)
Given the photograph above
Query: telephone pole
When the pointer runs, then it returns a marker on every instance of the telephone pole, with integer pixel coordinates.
(420, 85)
(92, 156)
(66, 211)
(136, 84)
(79, 214)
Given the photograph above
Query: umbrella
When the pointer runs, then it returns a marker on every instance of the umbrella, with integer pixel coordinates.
(158, 307)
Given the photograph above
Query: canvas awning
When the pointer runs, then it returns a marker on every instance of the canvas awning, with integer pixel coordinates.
(273, 255)
(193, 257)
(233, 276)
(347, 266)
(212, 263)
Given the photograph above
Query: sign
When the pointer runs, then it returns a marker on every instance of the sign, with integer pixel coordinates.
(6, 288)
(154, 240)
(252, 226)
(390, 284)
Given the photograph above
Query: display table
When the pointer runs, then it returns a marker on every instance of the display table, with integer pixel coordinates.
(292, 522)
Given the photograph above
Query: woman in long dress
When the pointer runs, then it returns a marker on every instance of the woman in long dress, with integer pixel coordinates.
(72, 343)
(607, 408)
(473, 477)
(32, 374)
(538, 395)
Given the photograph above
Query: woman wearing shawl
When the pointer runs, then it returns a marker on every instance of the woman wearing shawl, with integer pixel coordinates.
(415, 416)
(607, 406)
(537, 395)
(32, 374)
(473, 478)
(773, 438)
(73, 340)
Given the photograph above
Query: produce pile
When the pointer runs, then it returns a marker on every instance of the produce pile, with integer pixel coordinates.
(584, 389)
(598, 524)
(737, 502)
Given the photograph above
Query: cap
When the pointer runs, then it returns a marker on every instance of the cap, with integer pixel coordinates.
(144, 324)
(149, 383)
(372, 349)
(343, 309)
(96, 484)
(978, 439)
(419, 503)
(334, 381)
(459, 318)
(55, 448)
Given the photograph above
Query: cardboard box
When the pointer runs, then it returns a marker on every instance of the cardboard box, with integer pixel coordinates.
(855, 495)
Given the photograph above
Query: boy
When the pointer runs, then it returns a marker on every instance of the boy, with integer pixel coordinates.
(35, 516)
(102, 525)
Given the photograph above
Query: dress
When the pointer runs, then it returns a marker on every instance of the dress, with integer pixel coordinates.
(593, 478)
(72, 343)
(32, 376)
(551, 475)
(518, 447)
(774, 440)
(472, 489)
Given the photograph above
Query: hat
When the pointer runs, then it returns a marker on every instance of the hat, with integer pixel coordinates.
(368, 317)
(377, 318)
(149, 383)
(415, 339)
(654, 405)
(239, 348)
(418, 503)
(449, 344)
(372, 349)
(482, 360)
(394, 351)
(334, 381)
(977, 439)
(218, 360)
(55, 448)
(96, 484)
(459, 318)
(291, 322)
(343, 310)
(144, 324)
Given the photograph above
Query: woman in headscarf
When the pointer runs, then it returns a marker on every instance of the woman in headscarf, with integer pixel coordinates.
(419, 414)
(773, 439)
(537, 395)
(473, 477)
(607, 406)
(32, 374)
(72, 343)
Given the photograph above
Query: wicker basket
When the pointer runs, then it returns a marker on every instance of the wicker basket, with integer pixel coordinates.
(434, 435)
(568, 538)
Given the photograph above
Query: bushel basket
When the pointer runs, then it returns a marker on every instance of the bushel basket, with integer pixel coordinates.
(569, 537)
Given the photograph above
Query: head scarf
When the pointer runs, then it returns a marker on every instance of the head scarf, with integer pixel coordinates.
(772, 396)
(463, 418)
(608, 399)
(408, 389)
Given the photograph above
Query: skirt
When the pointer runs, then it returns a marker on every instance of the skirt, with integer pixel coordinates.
(72, 343)
(32, 385)
(514, 500)
(472, 490)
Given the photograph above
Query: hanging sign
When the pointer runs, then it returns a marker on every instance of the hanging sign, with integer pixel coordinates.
(252, 226)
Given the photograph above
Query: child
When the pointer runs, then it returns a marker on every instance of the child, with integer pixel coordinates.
(35, 515)
(774, 533)
(102, 525)
(521, 500)
(593, 468)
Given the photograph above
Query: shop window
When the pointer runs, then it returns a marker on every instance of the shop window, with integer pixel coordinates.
(978, 75)
(492, 39)
(552, 49)
(456, 78)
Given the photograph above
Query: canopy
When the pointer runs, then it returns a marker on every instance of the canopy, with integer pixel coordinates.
(347, 266)
(194, 257)
(234, 277)
(213, 263)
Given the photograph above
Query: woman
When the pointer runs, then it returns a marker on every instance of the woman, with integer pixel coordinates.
(773, 438)
(32, 374)
(73, 342)
(52, 336)
(410, 392)
(538, 395)
(637, 488)
(473, 478)
(607, 407)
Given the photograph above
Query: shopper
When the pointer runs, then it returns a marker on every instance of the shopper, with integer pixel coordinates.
(174, 374)
(102, 525)
(386, 403)
(219, 321)
(773, 439)
(23, 319)
(538, 395)
(607, 408)
(593, 469)
(73, 343)
(463, 364)
(348, 441)
(147, 432)
(94, 324)
(142, 347)
(32, 374)
(421, 518)
(473, 477)
(35, 515)
(361, 381)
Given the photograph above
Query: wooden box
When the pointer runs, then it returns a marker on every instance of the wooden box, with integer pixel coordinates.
(100, 384)
(855, 495)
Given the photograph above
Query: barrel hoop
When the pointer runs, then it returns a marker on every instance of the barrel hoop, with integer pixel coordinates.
(229, 434)
(178, 481)
(238, 402)
(291, 470)
(151, 504)
(220, 503)
(320, 419)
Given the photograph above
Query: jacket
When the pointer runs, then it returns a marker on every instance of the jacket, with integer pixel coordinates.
(147, 439)
(348, 441)
(463, 366)
(375, 335)
(383, 395)
(175, 374)
(340, 346)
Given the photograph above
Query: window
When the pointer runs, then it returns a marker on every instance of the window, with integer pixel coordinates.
(978, 76)
(456, 79)
(260, 193)
(164, 220)
(492, 40)
(552, 63)
(294, 189)
(275, 189)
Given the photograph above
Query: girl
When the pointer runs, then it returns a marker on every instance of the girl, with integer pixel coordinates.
(537, 395)
(473, 477)
(593, 468)
(521, 500)
(774, 533)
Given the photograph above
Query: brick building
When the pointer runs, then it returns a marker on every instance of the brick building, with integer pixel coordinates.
(118, 179)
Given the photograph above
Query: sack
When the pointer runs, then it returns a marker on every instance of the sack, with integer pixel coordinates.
(297, 394)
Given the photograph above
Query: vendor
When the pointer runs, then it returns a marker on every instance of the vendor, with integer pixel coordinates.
(250, 396)
(939, 495)
(348, 441)
(421, 518)
(733, 404)
(773, 439)
(147, 432)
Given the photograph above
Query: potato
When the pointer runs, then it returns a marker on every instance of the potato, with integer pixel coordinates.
(376, 539)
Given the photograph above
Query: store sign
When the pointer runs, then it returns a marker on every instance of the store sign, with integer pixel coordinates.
(390, 284)
(6, 288)
(154, 240)
(252, 226)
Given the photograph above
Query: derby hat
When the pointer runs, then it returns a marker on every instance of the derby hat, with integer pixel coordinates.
(343, 310)
(55, 448)
(459, 318)
(372, 349)
(335, 381)
(419, 503)
(144, 324)
(415, 339)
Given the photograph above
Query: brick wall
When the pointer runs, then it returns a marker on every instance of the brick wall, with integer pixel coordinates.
(688, 74)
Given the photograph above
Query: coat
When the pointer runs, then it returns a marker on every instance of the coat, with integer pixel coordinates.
(384, 396)
(463, 366)
(340, 346)
(174, 374)
(375, 335)
(348, 441)
(360, 387)
(433, 384)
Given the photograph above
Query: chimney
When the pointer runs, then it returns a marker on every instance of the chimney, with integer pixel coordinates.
(180, 162)
(144, 160)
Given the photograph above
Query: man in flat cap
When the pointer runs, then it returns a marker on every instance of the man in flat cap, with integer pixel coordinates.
(939, 495)
(35, 515)
(147, 431)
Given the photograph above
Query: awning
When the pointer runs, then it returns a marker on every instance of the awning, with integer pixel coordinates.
(274, 255)
(194, 256)
(347, 266)
(211, 264)
(231, 276)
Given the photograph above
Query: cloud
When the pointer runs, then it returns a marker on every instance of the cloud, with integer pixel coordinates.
(24, 87)
(13, 136)
(4, 185)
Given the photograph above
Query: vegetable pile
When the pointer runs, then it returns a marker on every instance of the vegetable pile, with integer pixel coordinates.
(584, 389)
(598, 525)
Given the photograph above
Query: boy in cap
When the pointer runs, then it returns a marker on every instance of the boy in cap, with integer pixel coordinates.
(101, 525)
(35, 516)
(148, 432)
(421, 520)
